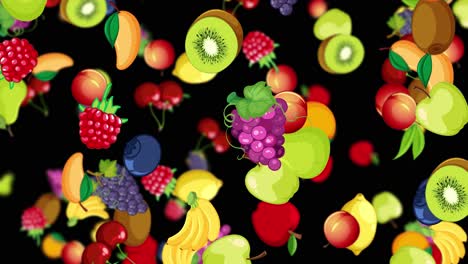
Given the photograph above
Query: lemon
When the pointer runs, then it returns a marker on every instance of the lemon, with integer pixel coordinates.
(187, 73)
(205, 184)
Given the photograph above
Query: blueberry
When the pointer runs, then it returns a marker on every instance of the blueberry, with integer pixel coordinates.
(420, 208)
(142, 155)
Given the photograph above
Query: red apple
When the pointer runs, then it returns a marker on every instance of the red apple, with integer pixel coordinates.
(391, 75)
(317, 93)
(52, 3)
(385, 91)
(96, 253)
(399, 111)
(323, 176)
(341, 229)
(274, 224)
(296, 114)
(159, 54)
(39, 86)
(316, 8)
(88, 85)
(146, 93)
(456, 50)
(72, 252)
(285, 79)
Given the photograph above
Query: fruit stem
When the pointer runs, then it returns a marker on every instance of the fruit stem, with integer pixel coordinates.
(236, 7)
(259, 256)
(82, 206)
(44, 104)
(387, 48)
(38, 108)
(207, 146)
(197, 146)
(423, 90)
(326, 245)
(296, 235)
(394, 224)
(412, 77)
(192, 199)
(126, 256)
(113, 5)
(375, 159)
(10, 132)
(160, 124)
(224, 5)
(97, 175)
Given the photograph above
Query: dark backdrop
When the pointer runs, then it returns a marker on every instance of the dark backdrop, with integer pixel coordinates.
(41, 143)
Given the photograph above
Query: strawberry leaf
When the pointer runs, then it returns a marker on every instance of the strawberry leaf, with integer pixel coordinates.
(111, 28)
(425, 69)
(292, 245)
(418, 142)
(108, 168)
(86, 188)
(95, 103)
(406, 141)
(397, 61)
(45, 75)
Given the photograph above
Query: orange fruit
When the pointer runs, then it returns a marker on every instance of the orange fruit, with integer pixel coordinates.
(52, 245)
(409, 238)
(320, 116)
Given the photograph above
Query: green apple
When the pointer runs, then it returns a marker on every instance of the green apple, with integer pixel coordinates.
(387, 206)
(274, 187)
(230, 249)
(332, 22)
(307, 151)
(411, 255)
(460, 11)
(445, 112)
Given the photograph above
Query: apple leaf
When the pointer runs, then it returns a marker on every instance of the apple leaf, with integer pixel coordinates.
(425, 69)
(418, 142)
(2, 122)
(45, 75)
(111, 28)
(292, 245)
(406, 141)
(398, 62)
(86, 188)
(410, 3)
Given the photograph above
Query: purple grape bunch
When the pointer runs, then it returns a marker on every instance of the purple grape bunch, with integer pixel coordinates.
(262, 138)
(407, 15)
(285, 6)
(121, 192)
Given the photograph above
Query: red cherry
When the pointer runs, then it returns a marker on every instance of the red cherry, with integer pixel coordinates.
(220, 143)
(391, 75)
(171, 92)
(249, 4)
(341, 229)
(146, 93)
(274, 223)
(30, 94)
(111, 233)
(362, 153)
(208, 127)
(96, 253)
(39, 86)
(52, 3)
(318, 93)
(323, 176)
(285, 79)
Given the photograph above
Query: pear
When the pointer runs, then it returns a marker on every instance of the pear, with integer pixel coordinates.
(230, 249)
(24, 10)
(10, 100)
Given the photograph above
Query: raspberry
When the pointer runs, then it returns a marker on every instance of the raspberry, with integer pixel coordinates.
(99, 126)
(160, 181)
(34, 221)
(17, 59)
(258, 47)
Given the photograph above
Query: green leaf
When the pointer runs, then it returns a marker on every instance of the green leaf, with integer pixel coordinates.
(418, 142)
(95, 103)
(86, 188)
(258, 99)
(410, 3)
(396, 22)
(406, 141)
(46, 75)
(398, 62)
(81, 107)
(111, 28)
(425, 69)
(292, 245)
(108, 168)
(2, 122)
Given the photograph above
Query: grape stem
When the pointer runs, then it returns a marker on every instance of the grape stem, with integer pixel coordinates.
(394, 224)
(259, 256)
(296, 235)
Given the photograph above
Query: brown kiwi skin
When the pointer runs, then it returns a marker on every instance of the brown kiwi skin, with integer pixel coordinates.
(453, 161)
(230, 19)
(433, 26)
(138, 226)
(416, 93)
(50, 205)
(321, 54)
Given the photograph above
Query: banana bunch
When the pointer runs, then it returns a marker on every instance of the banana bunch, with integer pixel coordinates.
(202, 224)
(93, 206)
(449, 238)
(202, 182)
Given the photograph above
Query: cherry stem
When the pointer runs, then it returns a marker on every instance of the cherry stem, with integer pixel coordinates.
(82, 206)
(236, 7)
(394, 224)
(10, 132)
(153, 114)
(422, 90)
(224, 5)
(259, 256)
(113, 5)
(326, 245)
(44, 104)
(126, 255)
(38, 108)
(199, 141)
(296, 235)
(207, 146)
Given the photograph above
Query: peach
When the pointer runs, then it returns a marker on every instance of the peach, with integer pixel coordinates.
(281, 80)
(384, 92)
(316, 8)
(159, 54)
(72, 252)
(88, 85)
(399, 111)
(296, 114)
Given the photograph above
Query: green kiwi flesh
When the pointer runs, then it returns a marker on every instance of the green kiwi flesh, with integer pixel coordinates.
(211, 44)
(447, 193)
(86, 13)
(341, 54)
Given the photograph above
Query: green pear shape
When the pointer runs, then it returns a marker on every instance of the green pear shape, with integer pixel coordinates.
(24, 10)
(332, 22)
(10, 100)
(307, 151)
(230, 249)
(445, 112)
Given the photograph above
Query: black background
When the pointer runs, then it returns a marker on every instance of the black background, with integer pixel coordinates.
(41, 143)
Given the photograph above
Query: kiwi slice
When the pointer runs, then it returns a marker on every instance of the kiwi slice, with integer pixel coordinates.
(340, 54)
(447, 193)
(453, 161)
(85, 13)
(213, 41)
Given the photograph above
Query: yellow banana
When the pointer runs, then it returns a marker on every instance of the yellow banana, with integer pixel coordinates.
(184, 232)
(214, 223)
(202, 182)
(457, 244)
(187, 242)
(365, 214)
(201, 238)
(446, 258)
(186, 256)
(167, 254)
(447, 249)
(94, 207)
(451, 228)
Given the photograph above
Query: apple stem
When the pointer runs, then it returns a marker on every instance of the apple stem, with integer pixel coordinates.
(326, 245)
(375, 159)
(296, 235)
(82, 206)
(236, 7)
(113, 5)
(423, 90)
(10, 132)
(259, 256)
(394, 224)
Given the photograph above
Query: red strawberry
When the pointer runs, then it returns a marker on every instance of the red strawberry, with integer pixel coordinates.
(160, 181)
(174, 210)
(99, 126)
(34, 221)
(17, 59)
(258, 47)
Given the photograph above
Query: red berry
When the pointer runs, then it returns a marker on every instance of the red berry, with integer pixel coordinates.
(318, 93)
(391, 75)
(39, 86)
(157, 181)
(96, 253)
(174, 210)
(220, 143)
(147, 93)
(171, 94)
(98, 130)
(323, 176)
(362, 153)
(111, 234)
(17, 59)
(249, 4)
(29, 96)
(258, 47)
(208, 127)
(34, 221)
